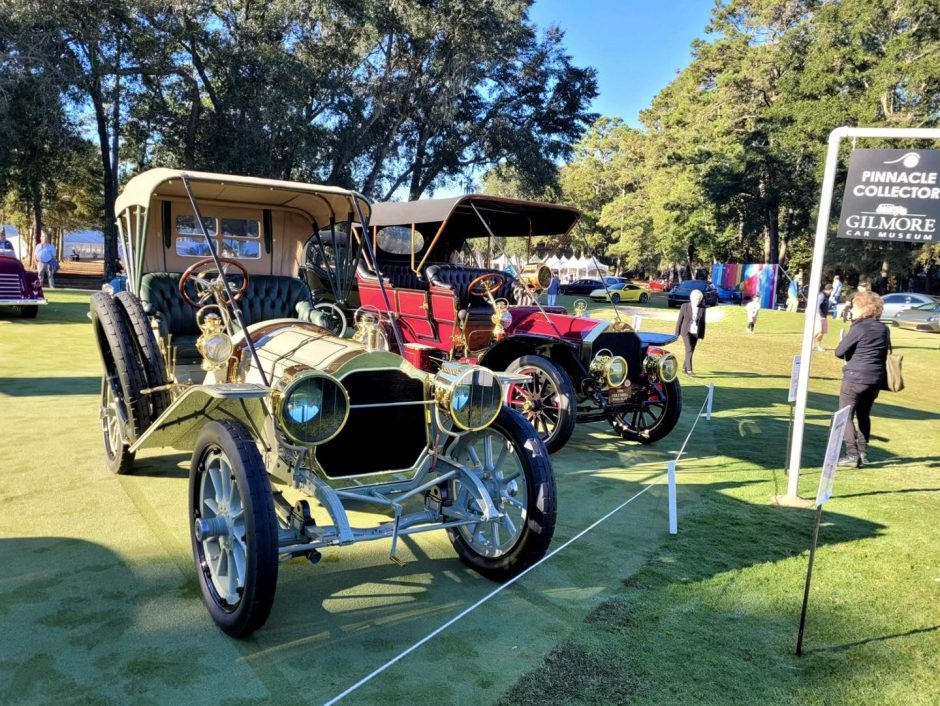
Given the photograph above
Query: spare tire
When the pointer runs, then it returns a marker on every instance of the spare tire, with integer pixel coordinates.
(148, 351)
(122, 365)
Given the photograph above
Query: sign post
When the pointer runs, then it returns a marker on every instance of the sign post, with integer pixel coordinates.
(826, 481)
(878, 182)
(791, 399)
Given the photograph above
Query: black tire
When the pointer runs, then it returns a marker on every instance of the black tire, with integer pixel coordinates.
(672, 305)
(615, 298)
(29, 311)
(537, 522)
(652, 415)
(122, 368)
(335, 317)
(644, 298)
(228, 448)
(148, 350)
(554, 428)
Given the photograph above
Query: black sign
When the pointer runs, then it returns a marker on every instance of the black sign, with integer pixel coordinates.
(892, 195)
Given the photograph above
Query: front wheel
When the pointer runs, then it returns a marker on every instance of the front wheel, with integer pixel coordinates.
(615, 298)
(233, 528)
(547, 402)
(651, 414)
(514, 467)
(644, 298)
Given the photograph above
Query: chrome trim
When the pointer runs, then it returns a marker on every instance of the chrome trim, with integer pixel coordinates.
(21, 302)
(588, 341)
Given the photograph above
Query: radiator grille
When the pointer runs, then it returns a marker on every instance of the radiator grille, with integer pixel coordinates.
(10, 286)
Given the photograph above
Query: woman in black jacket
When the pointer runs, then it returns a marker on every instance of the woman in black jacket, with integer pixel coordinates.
(865, 350)
(691, 326)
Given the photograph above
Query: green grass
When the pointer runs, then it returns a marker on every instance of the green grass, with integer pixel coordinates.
(99, 602)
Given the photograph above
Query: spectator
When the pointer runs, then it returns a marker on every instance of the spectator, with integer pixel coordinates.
(691, 326)
(836, 297)
(847, 309)
(46, 262)
(752, 309)
(822, 316)
(6, 247)
(865, 350)
(553, 287)
(793, 296)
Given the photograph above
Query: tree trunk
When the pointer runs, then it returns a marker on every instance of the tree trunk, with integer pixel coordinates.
(104, 144)
(772, 235)
(35, 197)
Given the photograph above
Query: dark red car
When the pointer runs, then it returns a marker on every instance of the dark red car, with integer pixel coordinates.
(19, 287)
(447, 305)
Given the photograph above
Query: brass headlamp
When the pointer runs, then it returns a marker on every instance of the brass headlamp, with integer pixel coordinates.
(536, 275)
(214, 345)
(470, 396)
(310, 406)
(580, 307)
(501, 318)
(661, 366)
(609, 368)
(369, 330)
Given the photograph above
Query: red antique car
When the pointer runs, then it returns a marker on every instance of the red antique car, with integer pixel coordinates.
(445, 306)
(19, 287)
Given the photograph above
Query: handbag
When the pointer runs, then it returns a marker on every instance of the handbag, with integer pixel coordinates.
(894, 379)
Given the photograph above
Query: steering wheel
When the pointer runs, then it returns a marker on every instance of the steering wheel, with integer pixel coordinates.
(205, 276)
(486, 284)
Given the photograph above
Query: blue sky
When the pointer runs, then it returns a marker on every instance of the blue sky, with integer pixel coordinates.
(637, 46)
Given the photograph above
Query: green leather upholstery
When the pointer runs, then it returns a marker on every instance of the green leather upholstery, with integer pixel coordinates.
(268, 297)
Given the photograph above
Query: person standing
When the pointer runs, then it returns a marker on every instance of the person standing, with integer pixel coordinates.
(793, 297)
(553, 287)
(6, 247)
(836, 296)
(45, 257)
(752, 309)
(847, 309)
(864, 350)
(822, 316)
(691, 326)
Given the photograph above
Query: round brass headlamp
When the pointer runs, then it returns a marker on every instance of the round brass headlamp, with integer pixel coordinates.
(612, 369)
(311, 407)
(662, 366)
(469, 395)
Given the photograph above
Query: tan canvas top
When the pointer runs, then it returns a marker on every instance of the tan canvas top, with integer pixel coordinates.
(319, 202)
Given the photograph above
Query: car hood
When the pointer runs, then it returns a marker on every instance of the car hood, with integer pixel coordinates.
(528, 319)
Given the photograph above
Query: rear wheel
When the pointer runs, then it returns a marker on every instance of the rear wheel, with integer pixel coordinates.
(147, 349)
(29, 311)
(514, 467)
(547, 401)
(644, 298)
(233, 528)
(615, 298)
(652, 414)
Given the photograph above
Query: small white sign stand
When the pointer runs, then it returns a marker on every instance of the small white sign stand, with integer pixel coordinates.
(673, 513)
(708, 402)
(826, 481)
(637, 321)
(815, 278)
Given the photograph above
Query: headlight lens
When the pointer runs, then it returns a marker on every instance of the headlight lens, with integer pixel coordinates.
(470, 396)
(609, 368)
(311, 407)
(663, 366)
(505, 318)
(218, 347)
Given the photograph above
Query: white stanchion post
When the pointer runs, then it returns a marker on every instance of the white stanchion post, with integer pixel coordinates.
(711, 398)
(673, 518)
(637, 320)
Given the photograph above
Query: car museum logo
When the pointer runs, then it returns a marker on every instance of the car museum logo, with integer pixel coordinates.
(892, 195)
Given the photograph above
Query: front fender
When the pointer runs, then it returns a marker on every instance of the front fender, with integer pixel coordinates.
(181, 422)
(513, 346)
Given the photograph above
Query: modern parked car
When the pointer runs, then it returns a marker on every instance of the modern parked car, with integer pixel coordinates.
(729, 296)
(610, 280)
(19, 287)
(621, 292)
(679, 294)
(581, 369)
(581, 286)
(901, 301)
(265, 398)
(925, 317)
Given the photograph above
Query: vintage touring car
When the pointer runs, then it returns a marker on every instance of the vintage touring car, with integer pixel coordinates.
(445, 307)
(269, 402)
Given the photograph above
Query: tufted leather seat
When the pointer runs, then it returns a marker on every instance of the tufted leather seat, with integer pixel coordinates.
(458, 278)
(398, 274)
(268, 297)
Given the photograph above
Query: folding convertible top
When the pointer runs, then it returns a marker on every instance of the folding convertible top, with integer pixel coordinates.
(506, 217)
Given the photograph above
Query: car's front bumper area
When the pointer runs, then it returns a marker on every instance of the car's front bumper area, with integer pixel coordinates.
(22, 302)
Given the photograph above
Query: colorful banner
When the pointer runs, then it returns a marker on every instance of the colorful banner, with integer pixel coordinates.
(754, 280)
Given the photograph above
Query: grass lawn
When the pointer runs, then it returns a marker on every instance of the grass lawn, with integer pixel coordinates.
(99, 601)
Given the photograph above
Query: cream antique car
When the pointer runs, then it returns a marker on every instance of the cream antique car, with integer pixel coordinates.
(215, 348)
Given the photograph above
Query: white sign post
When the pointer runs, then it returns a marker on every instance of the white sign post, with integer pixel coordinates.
(673, 515)
(826, 481)
(637, 322)
(711, 398)
(815, 278)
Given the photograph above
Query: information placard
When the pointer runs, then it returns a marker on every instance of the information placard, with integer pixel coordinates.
(833, 448)
(794, 379)
(892, 196)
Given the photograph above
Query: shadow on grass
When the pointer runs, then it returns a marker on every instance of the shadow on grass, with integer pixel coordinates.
(52, 313)
(43, 386)
(857, 643)
(672, 613)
